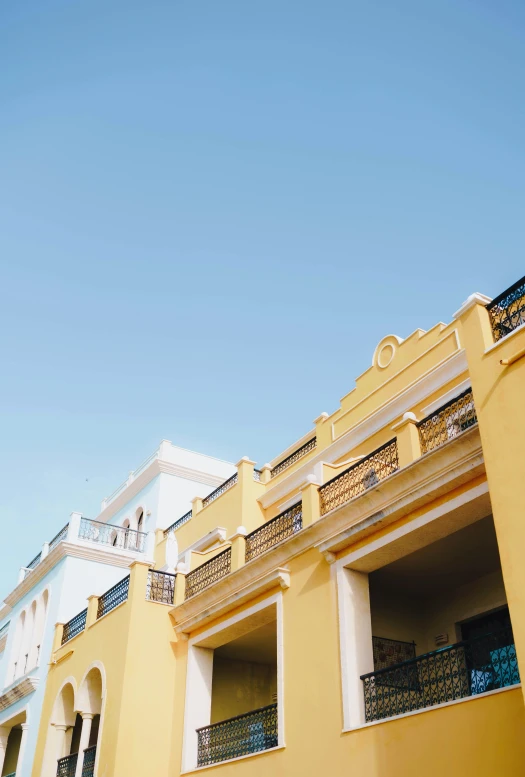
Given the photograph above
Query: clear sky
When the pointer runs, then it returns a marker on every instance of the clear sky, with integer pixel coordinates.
(211, 212)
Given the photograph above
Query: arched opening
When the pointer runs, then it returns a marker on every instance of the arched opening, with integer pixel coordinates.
(17, 643)
(140, 519)
(12, 734)
(61, 734)
(38, 630)
(90, 706)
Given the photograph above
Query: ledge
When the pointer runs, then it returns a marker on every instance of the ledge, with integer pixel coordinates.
(199, 610)
(234, 760)
(20, 688)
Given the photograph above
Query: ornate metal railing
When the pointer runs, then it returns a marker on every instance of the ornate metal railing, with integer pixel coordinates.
(88, 764)
(35, 562)
(208, 573)
(62, 534)
(113, 597)
(454, 672)
(220, 490)
(73, 627)
(447, 422)
(178, 523)
(293, 457)
(273, 531)
(242, 735)
(257, 475)
(160, 587)
(66, 767)
(507, 312)
(359, 477)
(108, 534)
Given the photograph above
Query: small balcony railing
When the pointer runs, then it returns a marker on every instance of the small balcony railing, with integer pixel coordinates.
(66, 767)
(242, 735)
(465, 669)
(507, 312)
(208, 573)
(221, 489)
(113, 597)
(115, 536)
(293, 457)
(88, 764)
(160, 587)
(369, 471)
(179, 522)
(35, 562)
(57, 539)
(73, 627)
(277, 529)
(447, 422)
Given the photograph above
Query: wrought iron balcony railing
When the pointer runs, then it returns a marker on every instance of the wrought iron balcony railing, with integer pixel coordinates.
(507, 312)
(208, 573)
(62, 534)
(160, 587)
(115, 536)
(66, 767)
(88, 764)
(377, 466)
(113, 597)
(465, 669)
(257, 475)
(277, 529)
(178, 523)
(293, 457)
(242, 735)
(221, 489)
(73, 627)
(35, 562)
(447, 422)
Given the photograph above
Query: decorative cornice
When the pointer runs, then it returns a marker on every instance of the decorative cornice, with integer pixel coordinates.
(204, 607)
(411, 488)
(470, 302)
(18, 690)
(87, 551)
(147, 475)
(451, 368)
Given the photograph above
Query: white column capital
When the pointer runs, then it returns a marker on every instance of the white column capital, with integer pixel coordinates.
(87, 715)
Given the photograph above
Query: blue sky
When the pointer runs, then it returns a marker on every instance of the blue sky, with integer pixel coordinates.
(211, 212)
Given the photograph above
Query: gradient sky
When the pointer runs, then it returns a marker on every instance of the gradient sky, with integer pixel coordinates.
(211, 212)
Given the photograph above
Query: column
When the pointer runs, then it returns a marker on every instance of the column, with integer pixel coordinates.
(85, 732)
(60, 739)
(408, 444)
(23, 742)
(4, 733)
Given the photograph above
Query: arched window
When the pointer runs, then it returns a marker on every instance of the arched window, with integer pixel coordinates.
(17, 644)
(38, 630)
(61, 732)
(140, 521)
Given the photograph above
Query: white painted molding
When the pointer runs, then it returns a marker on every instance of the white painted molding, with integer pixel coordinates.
(474, 299)
(195, 613)
(444, 398)
(22, 687)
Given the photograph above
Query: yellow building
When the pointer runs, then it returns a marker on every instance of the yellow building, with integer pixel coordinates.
(355, 607)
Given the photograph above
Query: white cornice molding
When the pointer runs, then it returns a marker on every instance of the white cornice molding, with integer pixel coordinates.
(156, 467)
(474, 299)
(444, 398)
(88, 551)
(201, 609)
(295, 446)
(18, 690)
(450, 369)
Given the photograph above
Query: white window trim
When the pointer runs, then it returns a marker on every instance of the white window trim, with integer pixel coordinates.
(202, 675)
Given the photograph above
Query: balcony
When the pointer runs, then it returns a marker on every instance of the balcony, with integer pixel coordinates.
(445, 625)
(66, 766)
(88, 766)
(179, 522)
(454, 672)
(249, 733)
(274, 531)
(304, 450)
(447, 422)
(160, 587)
(74, 627)
(507, 311)
(112, 598)
(114, 536)
(208, 573)
(358, 478)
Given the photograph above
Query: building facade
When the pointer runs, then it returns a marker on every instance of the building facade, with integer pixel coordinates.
(355, 606)
(86, 557)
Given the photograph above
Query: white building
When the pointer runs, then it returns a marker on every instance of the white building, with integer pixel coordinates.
(85, 557)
